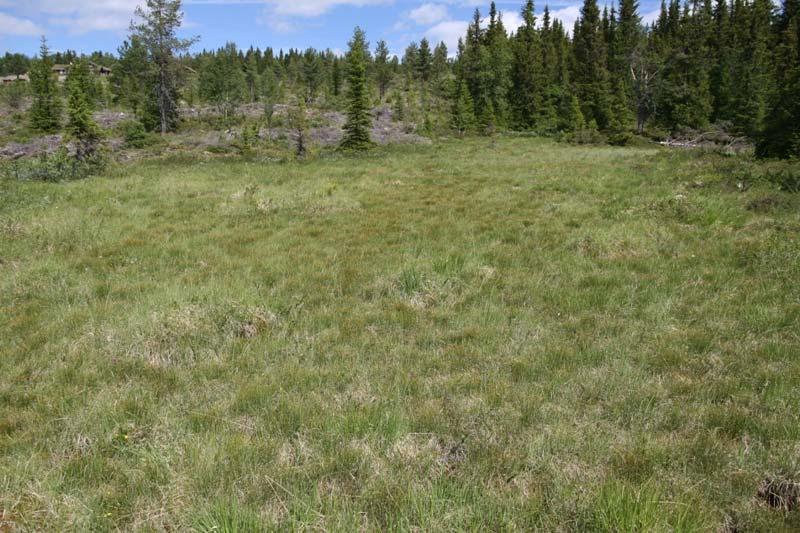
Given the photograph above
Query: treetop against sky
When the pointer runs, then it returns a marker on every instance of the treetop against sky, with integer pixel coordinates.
(88, 25)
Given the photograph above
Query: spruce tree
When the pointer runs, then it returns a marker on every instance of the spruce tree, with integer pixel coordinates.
(45, 112)
(753, 69)
(571, 114)
(410, 58)
(781, 135)
(720, 74)
(398, 106)
(222, 81)
(81, 127)
(485, 111)
(269, 95)
(424, 61)
(684, 93)
(590, 74)
(527, 82)
(499, 66)
(644, 72)
(299, 123)
(313, 73)
(383, 70)
(439, 65)
(463, 112)
(251, 76)
(336, 76)
(627, 37)
(359, 121)
(470, 61)
(626, 47)
(620, 114)
(551, 86)
(129, 79)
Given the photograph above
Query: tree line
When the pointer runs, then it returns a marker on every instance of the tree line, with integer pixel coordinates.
(732, 65)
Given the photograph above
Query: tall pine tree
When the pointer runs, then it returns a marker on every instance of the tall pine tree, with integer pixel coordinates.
(383, 70)
(157, 30)
(499, 66)
(590, 73)
(781, 135)
(359, 121)
(45, 112)
(527, 82)
(81, 127)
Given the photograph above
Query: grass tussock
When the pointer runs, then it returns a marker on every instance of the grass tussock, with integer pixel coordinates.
(515, 336)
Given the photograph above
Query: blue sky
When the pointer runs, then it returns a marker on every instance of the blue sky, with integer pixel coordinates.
(87, 25)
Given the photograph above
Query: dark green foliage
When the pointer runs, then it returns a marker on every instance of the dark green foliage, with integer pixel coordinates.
(586, 136)
(359, 121)
(463, 113)
(424, 62)
(252, 78)
(134, 134)
(498, 55)
(14, 64)
(131, 79)
(751, 70)
(721, 72)
(781, 135)
(45, 112)
(440, 65)
(247, 139)
(58, 166)
(13, 94)
(398, 106)
(788, 178)
(298, 121)
(313, 74)
(626, 40)
(336, 76)
(571, 115)
(157, 31)
(81, 127)
(683, 95)
(383, 70)
(590, 74)
(223, 81)
(702, 66)
(620, 116)
(526, 73)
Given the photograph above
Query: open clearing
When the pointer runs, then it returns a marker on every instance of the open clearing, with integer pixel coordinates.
(509, 335)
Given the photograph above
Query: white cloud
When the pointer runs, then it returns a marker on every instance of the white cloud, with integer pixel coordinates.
(315, 8)
(448, 32)
(428, 14)
(81, 16)
(511, 20)
(567, 16)
(276, 23)
(15, 26)
(400, 25)
(650, 16)
(281, 15)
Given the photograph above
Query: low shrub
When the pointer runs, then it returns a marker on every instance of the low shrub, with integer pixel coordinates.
(133, 133)
(787, 178)
(585, 136)
(622, 138)
(59, 166)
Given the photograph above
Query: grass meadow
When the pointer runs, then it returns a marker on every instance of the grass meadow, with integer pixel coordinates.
(509, 335)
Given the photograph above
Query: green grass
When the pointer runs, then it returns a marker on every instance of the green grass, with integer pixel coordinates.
(459, 336)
